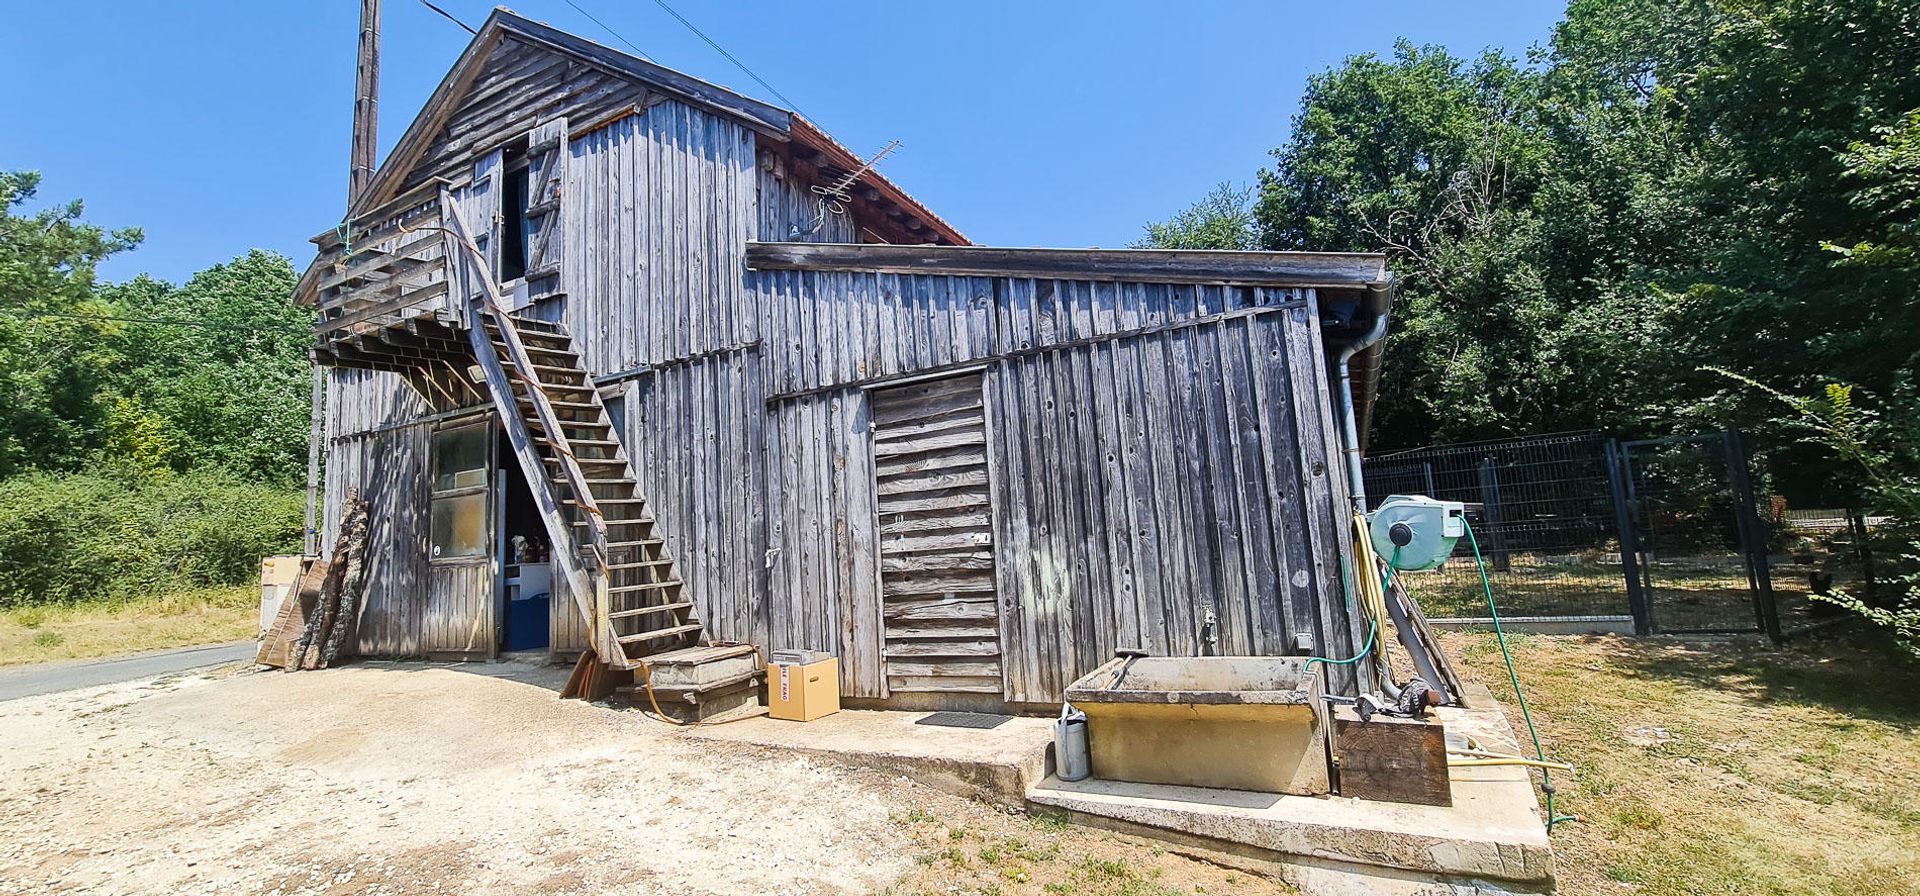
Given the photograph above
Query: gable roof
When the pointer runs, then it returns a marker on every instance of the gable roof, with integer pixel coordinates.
(772, 121)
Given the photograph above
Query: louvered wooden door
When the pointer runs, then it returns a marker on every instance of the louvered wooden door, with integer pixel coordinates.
(936, 537)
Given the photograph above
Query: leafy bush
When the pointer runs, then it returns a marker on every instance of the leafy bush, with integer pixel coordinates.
(1883, 450)
(81, 536)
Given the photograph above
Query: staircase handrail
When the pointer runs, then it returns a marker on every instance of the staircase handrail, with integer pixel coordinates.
(488, 302)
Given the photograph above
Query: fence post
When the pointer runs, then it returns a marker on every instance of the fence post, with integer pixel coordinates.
(1752, 534)
(1491, 510)
(1862, 552)
(1619, 481)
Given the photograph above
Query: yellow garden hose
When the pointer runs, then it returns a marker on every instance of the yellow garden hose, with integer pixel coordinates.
(1510, 760)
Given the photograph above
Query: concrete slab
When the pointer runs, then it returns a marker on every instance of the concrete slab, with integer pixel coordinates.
(996, 765)
(1491, 840)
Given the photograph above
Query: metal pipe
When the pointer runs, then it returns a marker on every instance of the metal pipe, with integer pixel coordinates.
(1378, 294)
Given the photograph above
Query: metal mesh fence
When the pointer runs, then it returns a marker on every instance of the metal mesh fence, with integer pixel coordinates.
(1818, 552)
(1702, 558)
(1548, 529)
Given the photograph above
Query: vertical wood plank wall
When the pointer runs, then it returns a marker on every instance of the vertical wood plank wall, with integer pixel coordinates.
(1147, 483)
(823, 561)
(695, 431)
(659, 208)
(1140, 479)
(374, 446)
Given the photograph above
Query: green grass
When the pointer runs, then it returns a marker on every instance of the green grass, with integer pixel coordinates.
(82, 630)
(1782, 772)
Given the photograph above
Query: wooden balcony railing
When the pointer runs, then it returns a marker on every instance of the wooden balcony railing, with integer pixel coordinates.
(388, 267)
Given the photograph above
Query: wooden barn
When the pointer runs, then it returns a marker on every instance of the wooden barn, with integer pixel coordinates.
(624, 360)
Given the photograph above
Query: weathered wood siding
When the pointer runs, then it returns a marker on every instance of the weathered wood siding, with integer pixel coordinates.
(694, 430)
(791, 212)
(828, 328)
(521, 85)
(659, 206)
(375, 444)
(824, 563)
(1149, 484)
(1157, 451)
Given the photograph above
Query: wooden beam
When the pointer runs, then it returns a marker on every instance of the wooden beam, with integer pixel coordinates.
(1334, 270)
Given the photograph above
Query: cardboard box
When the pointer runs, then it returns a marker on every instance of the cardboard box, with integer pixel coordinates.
(803, 693)
(278, 575)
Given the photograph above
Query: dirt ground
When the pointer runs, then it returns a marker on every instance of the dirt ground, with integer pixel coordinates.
(420, 779)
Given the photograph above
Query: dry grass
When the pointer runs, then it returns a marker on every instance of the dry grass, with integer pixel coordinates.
(1016, 855)
(1724, 765)
(76, 631)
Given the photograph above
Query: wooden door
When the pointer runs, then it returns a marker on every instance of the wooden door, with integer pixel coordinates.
(940, 615)
(459, 617)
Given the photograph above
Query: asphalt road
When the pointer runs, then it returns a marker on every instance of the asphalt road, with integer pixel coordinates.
(47, 678)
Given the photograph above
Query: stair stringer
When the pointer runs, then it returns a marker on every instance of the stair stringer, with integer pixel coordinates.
(586, 579)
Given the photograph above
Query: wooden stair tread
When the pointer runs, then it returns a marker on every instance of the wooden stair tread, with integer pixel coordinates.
(529, 337)
(564, 388)
(537, 349)
(657, 634)
(523, 399)
(648, 611)
(537, 426)
(645, 586)
(692, 692)
(693, 656)
(666, 561)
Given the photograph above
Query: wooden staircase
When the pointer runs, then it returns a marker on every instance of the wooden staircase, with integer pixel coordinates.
(646, 607)
(605, 540)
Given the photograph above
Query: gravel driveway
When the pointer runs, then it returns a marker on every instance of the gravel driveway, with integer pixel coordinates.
(416, 778)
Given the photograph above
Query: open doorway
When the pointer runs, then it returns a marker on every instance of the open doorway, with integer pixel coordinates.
(525, 556)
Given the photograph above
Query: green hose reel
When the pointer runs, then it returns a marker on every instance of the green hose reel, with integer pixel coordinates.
(1418, 532)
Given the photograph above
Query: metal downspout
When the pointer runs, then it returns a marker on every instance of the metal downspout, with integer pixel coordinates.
(1349, 425)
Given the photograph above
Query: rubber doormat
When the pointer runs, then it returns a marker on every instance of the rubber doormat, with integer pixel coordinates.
(964, 720)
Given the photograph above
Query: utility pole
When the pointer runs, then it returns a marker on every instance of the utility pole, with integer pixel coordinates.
(366, 109)
(366, 100)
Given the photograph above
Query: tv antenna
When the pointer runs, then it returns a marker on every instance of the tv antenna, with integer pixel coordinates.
(836, 197)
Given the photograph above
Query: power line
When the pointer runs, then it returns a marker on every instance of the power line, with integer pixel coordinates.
(609, 30)
(176, 322)
(448, 16)
(723, 51)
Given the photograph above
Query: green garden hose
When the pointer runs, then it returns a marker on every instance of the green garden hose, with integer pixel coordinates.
(1373, 625)
(1546, 777)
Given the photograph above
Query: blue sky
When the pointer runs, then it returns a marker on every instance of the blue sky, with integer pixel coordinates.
(220, 126)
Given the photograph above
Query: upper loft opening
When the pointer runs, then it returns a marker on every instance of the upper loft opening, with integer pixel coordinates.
(516, 226)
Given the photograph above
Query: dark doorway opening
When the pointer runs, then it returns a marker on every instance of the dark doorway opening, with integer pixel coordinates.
(525, 557)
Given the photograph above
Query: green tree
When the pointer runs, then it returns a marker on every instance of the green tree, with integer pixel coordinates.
(53, 353)
(1435, 160)
(1223, 219)
(1665, 186)
(223, 384)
